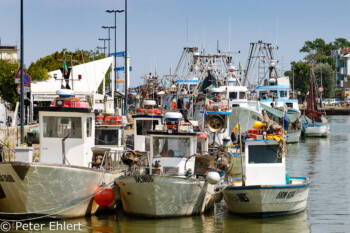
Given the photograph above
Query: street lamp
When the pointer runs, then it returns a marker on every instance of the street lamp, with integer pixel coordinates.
(100, 48)
(115, 43)
(109, 37)
(104, 44)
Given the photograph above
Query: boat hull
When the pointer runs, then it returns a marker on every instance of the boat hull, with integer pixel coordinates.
(51, 191)
(264, 200)
(164, 196)
(293, 137)
(316, 130)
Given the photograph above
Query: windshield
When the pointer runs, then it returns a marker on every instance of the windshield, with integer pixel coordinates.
(59, 127)
(106, 136)
(171, 147)
(263, 154)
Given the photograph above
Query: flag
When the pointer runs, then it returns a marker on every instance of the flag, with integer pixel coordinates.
(65, 69)
(285, 122)
(240, 66)
(237, 128)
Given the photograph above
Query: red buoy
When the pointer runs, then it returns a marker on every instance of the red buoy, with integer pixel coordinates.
(104, 197)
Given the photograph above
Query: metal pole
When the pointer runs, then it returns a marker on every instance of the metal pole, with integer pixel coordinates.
(293, 81)
(125, 60)
(109, 41)
(22, 81)
(104, 47)
(321, 86)
(115, 53)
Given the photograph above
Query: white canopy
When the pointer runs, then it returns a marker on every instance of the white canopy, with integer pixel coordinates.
(92, 73)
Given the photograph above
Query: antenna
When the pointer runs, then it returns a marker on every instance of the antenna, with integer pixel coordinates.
(229, 36)
(276, 29)
(187, 31)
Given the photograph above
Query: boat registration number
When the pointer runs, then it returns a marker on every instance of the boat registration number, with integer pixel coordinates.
(143, 179)
(285, 195)
(6, 178)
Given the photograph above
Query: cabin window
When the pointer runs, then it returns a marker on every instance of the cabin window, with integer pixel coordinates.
(143, 126)
(242, 95)
(273, 93)
(192, 87)
(233, 95)
(263, 94)
(283, 93)
(263, 154)
(88, 126)
(105, 136)
(171, 147)
(59, 127)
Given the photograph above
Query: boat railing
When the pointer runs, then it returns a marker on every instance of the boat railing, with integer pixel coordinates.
(9, 155)
(112, 162)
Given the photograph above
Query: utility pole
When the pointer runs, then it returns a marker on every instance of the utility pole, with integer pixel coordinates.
(22, 79)
(104, 45)
(293, 81)
(115, 43)
(125, 60)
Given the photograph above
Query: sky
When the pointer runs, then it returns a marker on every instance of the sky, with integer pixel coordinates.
(159, 29)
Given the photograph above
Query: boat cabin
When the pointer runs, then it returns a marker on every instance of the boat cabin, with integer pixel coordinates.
(145, 119)
(262, 164)
(187, 86)
(67, 132)
(173, 153)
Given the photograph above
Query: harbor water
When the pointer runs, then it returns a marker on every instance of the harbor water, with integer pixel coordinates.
(325, 160)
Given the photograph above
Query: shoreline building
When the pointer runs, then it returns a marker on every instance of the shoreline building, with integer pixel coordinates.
(8, 52)
(342, 75)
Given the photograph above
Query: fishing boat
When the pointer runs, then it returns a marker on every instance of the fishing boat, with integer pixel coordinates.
(315, 123)
(265, 188)
(293, 126)
(170, 181)
(71, 172)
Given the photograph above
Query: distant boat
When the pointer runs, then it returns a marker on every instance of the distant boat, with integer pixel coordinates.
(314, 123)
(266, 189)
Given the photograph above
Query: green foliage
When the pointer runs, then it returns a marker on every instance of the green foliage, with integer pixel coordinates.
(319, 49)
(39, 70)
(301, 76)
(327, 78)
(7, 82)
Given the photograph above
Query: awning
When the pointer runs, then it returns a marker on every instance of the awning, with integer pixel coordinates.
(278, 113)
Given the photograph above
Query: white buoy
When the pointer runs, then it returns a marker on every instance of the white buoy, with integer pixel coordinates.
(213, 177)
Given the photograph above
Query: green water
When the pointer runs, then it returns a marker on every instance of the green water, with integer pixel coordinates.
(325, 160)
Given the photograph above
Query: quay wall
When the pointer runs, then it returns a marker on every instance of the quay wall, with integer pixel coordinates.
(10, 135)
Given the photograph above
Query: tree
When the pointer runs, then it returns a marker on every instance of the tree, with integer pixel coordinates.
(7, 82)
(327, 78)
(301, 76)
(39, 70)
(318, 49)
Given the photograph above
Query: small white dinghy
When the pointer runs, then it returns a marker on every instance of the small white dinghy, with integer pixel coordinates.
(266, 189)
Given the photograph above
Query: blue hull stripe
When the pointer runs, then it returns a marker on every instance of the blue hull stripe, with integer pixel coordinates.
(267, 187)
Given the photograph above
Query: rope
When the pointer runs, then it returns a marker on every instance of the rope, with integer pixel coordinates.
(59, 207)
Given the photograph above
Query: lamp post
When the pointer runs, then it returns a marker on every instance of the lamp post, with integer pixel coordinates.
(104, 45)
(126, 59)
(109, 37)
(100, 48)
(115, 43)
(22, 81)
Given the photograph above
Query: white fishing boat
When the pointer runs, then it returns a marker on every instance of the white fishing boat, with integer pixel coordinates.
(70, 170)
(266, 189)
(168, 182)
